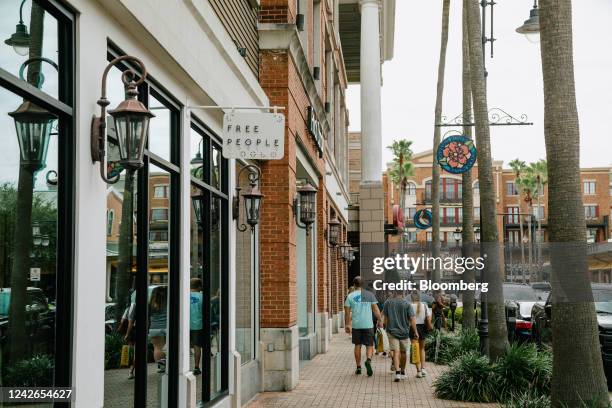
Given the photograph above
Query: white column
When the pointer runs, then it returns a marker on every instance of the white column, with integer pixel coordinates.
(371, 133)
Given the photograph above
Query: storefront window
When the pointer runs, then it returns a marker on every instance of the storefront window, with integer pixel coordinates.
(35, 183)
(209, 267)
(246, 285)
(306, 262)
(142, 257)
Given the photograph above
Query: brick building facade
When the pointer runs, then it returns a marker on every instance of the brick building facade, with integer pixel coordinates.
(301, 279)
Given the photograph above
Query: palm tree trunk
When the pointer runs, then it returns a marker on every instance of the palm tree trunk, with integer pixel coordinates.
(126, 237)
(435, 177)
(577, 365)
(530, 247)
(18, 341)
(467, 196)
(498, 335)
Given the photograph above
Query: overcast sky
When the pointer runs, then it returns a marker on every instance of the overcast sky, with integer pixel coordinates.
(515, 79)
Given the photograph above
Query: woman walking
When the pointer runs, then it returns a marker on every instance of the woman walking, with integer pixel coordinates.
(158, 319)
(423, 324)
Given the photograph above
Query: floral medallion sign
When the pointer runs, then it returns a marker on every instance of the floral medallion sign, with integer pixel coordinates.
(423, 219)
(456, 154)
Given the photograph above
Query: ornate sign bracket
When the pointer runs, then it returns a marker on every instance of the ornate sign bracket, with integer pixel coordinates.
(497, 117)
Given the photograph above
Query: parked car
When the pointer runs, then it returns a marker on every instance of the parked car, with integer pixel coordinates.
(542, 289)
(602, 295)
(519, 299)
(110, 323)
(40, 319)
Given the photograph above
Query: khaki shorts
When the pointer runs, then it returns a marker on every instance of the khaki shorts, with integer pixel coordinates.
(397, 344)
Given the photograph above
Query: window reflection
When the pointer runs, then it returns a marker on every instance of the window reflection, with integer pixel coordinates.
(31, 33)
(199, 148)
(160, 128)
(215, 176)
(120, 312)
(28, 242)
(215, 298)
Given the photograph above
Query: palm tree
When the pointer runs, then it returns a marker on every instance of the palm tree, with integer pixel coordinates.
(467, 196)
(519, 166)
(526, 186)
(577, 366)
(498, 335)
(435, 170)
(402, 166)
(538, 174)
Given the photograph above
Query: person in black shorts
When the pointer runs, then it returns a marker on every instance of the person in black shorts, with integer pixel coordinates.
(359, 324)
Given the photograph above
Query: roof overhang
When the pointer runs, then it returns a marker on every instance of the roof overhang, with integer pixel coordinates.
(350, 34)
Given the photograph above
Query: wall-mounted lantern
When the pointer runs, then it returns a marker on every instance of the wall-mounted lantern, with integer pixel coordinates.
(333, 232)
(304, 206)
(252, 198)
(131, 119)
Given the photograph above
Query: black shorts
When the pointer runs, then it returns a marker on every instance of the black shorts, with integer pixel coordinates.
(421, 329)
(196, 338)
(364, 337)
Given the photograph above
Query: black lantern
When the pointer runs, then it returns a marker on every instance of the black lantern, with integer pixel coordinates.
(20, 39)
(477, 234)
(333, 228)
(457, 234)
(252, 198)
(304, 206)
(131, 119)
(196, 201)
(252, 203)
(344, 251)
(33, 125)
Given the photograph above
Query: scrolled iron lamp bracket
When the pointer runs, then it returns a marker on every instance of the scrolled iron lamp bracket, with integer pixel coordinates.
(254, 175)
(98, 124)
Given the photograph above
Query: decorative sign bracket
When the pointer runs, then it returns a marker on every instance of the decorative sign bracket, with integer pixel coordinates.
(497, 117)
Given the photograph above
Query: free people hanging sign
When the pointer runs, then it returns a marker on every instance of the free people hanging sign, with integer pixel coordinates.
(256, 136)
(456, 154)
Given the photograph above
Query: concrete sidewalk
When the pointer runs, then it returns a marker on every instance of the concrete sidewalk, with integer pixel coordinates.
(329, 381)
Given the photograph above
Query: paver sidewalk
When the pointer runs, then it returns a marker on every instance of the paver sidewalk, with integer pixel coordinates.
(329, 381)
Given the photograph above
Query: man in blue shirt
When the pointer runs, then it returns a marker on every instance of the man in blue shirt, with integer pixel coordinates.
(196, 334)
(358, 322)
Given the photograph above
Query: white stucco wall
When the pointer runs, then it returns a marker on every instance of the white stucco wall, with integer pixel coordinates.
(188, 52)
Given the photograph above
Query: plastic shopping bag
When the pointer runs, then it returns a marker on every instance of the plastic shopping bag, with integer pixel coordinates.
(125, 356)
(382, 340)
(415, 353)
(379, 342)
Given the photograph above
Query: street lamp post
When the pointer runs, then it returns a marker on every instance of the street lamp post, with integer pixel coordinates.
(531, 27)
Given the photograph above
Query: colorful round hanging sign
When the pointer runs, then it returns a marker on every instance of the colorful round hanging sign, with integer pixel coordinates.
(423, 219)
(456, 154)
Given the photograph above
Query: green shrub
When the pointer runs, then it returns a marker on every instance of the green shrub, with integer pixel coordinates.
(521, 377)
(113, 343)
(523, 368)
(36, 371)
(452, 345)
(528, 400)
(469, 378)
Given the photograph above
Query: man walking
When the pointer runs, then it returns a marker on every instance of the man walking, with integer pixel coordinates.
(399, 318)
(358, 309)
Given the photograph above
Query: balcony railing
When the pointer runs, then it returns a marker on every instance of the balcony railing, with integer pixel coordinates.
(445, 198)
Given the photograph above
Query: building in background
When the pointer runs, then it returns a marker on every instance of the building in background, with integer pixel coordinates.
(512, 209)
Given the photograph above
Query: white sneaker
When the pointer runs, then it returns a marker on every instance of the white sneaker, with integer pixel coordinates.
(398, 377)
(420, 375)
(423, 372)
(403, 376)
